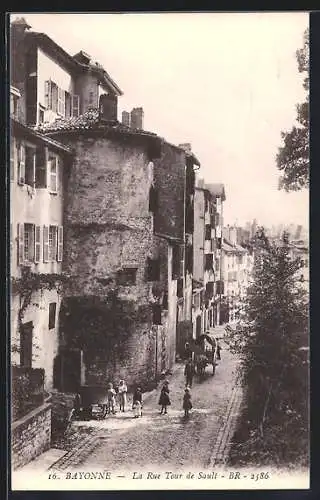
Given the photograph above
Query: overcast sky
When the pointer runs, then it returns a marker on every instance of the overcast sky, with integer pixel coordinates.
(227, 83)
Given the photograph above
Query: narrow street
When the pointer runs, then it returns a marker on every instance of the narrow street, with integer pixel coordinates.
(122, 442)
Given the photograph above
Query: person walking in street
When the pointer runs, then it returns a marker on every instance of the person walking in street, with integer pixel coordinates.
(122, 393)
(137, 403)
(187, 403)
(189, 372)
(111, 397)
(164, 399)
(218, 350)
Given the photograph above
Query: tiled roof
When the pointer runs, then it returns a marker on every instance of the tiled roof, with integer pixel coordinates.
(19, 128)
(90, 120)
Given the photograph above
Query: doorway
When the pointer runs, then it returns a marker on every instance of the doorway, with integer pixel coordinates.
(26, 334)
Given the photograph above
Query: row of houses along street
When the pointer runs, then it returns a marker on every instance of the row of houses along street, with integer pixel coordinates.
(119, 252)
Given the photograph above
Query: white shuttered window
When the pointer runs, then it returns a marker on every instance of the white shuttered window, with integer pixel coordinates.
(60, 243)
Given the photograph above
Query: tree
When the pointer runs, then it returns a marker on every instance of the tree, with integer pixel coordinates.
(272, 345)
(293, 157)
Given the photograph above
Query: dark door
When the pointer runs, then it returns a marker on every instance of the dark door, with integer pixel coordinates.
(70, 366)
(26, 344)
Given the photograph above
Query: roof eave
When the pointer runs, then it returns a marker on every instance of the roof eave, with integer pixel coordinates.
(28, 131)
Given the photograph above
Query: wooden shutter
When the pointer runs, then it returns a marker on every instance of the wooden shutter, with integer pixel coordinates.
(61, 102)
(60, 243)
(47, 94)
(21, 164)
(20, 233)
(37, 244)
(75, 106)
(45, 244)
(54, 97)
(67, 99)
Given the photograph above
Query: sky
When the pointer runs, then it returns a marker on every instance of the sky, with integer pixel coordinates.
(228, 83)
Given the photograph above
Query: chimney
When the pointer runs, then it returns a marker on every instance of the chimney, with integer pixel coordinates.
(108, 107)
(82, 57)
(186, 147)
(126, 118)
(137, 118)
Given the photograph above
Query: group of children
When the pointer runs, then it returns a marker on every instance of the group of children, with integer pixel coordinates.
(164, 399)
(121, 393)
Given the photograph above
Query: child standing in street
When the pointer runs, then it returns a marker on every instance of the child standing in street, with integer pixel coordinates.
(164, 399)
(111, 395)
(122, 392)
(187, 404)
(137, 403)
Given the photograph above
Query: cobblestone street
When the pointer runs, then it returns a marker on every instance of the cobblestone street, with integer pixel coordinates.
(122, 442)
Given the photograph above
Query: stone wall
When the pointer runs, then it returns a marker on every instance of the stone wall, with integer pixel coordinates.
(30, 436)
(108, 229)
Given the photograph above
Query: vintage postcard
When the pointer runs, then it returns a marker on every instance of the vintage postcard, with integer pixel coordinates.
(159, 250)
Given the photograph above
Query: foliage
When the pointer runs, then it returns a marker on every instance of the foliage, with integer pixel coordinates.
(293, 156)
(273, 366)
(27, 390)
(100, 324)
(29, 283)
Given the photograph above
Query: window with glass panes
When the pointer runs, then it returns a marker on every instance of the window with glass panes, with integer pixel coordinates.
(53, 174)
(29, 242)
(52, 243)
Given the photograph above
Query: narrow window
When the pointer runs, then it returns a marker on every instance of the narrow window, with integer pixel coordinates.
(127, 276)
(52, 315)
(21, 163)
(67, 99)
(208, 261)
(52, 253)
(153, 199)
(30, 164)
(41, 168)
(75, 106)
(29, 242)
(20, 232)
(45, 244)
(208, 232)
(53, 174)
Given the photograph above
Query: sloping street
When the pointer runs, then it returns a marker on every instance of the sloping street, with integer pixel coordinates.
(122, 442)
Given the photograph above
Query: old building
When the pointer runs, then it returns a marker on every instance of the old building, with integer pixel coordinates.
(37, 169)
(207, 256)
(126, 250)
(236, 271)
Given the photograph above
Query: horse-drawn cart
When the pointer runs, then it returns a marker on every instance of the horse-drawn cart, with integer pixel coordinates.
(205, 353)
